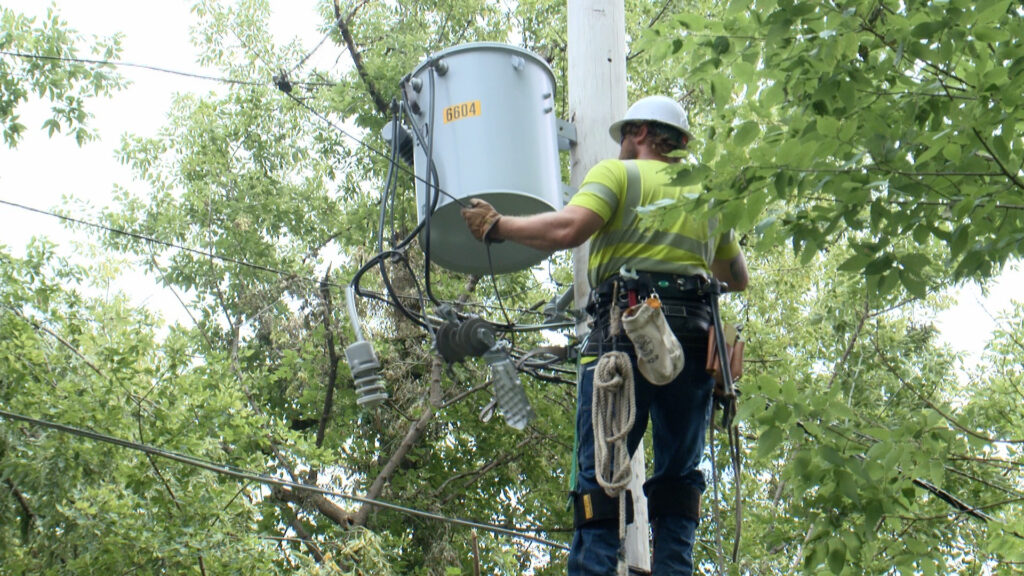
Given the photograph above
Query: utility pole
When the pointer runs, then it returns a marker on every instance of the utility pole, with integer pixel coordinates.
(597, 97)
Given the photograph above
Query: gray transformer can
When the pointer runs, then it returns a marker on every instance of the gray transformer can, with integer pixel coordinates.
(485, 114)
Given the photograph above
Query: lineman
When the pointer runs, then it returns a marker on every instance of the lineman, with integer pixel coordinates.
(628, 263)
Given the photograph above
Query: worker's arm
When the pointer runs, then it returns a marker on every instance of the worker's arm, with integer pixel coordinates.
(567, 228)
(733, 272)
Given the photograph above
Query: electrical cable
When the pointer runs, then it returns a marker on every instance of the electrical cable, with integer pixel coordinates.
(355, 284)
(119, 64)
(262, 268)
(166, 244)
(389, 180)
(359, 141)
(436, 197)
(317, 47)
(488, 307)
(497, 293)
(378, 261)
(242, 474)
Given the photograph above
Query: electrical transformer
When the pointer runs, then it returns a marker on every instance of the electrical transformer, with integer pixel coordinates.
(483, 116)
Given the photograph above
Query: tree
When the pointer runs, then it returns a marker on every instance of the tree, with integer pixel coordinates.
(42, 61)
(877, 140)
(875, 124)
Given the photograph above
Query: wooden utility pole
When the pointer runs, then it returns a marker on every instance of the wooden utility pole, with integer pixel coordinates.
(597, 97)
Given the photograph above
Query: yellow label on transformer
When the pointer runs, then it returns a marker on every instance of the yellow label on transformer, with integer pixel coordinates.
(460, 111)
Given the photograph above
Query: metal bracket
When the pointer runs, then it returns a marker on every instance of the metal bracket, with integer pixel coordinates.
(566, 133)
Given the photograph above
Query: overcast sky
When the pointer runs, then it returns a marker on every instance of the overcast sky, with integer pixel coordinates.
(43, 170)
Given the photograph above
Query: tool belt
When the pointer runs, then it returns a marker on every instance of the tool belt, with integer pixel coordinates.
(682, 299)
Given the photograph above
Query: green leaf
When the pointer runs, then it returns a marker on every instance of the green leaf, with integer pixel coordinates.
(855, 263)
(990, 12)
(928, 30)
(745, 134)
(836, 555)
(828, 126)
(721, 91)
(768, 441)
(913, 283)
(880, 264)
(952, 152)
(721, 45)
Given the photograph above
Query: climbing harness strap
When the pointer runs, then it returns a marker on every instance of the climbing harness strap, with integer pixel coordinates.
(596, 506)
(673, 498)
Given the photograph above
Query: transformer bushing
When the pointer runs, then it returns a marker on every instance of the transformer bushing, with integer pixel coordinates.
(363, 363)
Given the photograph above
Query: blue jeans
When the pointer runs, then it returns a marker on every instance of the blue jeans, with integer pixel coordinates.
(679, 412)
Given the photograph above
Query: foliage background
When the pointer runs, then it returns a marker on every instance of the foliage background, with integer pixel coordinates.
(867, 151)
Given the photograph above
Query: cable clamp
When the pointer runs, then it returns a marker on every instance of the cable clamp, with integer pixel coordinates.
(282, 82)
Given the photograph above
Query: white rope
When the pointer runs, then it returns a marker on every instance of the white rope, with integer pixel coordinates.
(614, 409)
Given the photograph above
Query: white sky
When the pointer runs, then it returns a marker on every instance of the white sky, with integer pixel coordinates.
(42, 170)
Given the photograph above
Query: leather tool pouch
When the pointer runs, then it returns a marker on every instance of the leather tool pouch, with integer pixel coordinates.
(734, 352)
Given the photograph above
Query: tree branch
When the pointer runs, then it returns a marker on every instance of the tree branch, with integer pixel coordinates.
(474, 475)
(332, 361)
(412, 436)
(948, 418)
(853, 340)
(995, 158)
(303, 535)
(357, 59)
(316, 501)
(30, 516)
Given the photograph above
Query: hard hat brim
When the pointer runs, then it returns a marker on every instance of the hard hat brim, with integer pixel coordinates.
(615, 130)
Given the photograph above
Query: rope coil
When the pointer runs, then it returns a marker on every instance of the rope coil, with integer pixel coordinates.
(614, 409)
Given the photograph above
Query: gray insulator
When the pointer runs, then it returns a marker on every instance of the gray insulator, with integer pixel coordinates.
(511, 395)
(362, 361)
(370, 392)
(361, 358)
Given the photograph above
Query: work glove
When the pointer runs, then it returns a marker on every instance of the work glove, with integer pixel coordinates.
(481, 218)
(659, 354)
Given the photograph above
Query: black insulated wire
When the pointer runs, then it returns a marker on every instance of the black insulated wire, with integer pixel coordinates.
(235, 472)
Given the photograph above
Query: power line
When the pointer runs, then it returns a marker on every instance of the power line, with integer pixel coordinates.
(120, 64)
(165, 243)
(269, 480)
(243, 263)
(386, 156)
(281, 82)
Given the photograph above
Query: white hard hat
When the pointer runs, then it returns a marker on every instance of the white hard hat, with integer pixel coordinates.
(660, 109)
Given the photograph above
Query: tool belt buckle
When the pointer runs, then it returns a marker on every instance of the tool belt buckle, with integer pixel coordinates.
(628, 273)
(630, 279)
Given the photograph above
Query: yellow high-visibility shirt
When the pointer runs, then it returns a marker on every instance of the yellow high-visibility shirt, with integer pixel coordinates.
(614, 189)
